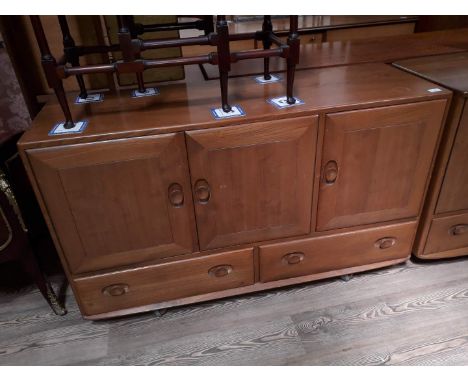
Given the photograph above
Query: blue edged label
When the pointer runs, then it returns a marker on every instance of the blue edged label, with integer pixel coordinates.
(219, 113)
(281, 102)
(59, 128)
(147, 93)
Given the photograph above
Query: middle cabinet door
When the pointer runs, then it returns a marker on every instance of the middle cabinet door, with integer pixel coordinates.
(253, 182)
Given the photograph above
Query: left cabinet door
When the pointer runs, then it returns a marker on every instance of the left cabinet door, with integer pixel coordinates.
(118, 202)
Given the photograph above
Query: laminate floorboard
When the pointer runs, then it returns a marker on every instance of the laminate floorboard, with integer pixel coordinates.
(410, 314)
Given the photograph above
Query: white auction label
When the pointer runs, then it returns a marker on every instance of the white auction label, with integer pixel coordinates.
(91, 98)
(262, 80)
(147, 93)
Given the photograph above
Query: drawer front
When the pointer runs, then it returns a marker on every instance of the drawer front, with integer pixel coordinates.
(447, 233)
(322, 254)
(164, 282)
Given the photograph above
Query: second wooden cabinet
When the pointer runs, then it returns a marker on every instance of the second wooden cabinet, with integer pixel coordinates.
(443, 231)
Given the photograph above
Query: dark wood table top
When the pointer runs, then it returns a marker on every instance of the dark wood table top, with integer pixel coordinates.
(312, 24)
(186, 105)
(449, 70)
(382, 49)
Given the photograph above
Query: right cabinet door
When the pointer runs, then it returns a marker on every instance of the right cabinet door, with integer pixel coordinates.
(375, 163)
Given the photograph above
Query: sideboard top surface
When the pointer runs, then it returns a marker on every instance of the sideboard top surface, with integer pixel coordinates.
(186, 105)
(449, 70)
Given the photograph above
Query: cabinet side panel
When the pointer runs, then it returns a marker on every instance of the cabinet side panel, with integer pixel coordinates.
(454, 193)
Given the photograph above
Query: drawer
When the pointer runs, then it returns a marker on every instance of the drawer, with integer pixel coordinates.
(164, 282)
(447, 233)
(344, 250)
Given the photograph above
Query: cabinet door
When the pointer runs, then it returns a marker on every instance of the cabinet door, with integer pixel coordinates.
(118, 202)
(252, 182)
(376, 162)
(454, 193)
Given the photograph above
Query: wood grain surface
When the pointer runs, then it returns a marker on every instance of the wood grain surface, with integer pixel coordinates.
(413, 314)
(448, 70)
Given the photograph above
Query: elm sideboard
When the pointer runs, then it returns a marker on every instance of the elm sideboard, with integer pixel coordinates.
(158, 204)
(443, 231)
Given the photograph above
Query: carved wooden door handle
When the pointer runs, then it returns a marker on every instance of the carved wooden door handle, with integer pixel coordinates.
(115, 290)
(385, 242)
(293, 258)
(176, 194)
(458, 229)
(330, 172)
(202, 191)
(220, 270)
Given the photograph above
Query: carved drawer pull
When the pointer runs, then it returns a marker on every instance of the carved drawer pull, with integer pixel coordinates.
(458, 229)
(330, 172)
(202, 191)
(115, 290)
(385, 242)
(176, 194)
(220, 270)
(293, 258)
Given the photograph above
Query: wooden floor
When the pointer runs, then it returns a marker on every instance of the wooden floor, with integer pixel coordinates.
(413, 314)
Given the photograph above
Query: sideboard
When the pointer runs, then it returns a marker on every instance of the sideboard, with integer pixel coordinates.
(443, 231)
(158, 204)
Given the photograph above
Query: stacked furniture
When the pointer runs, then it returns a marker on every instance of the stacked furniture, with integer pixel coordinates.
(131, 48)
(158, 204)
(315, 29)
(444, 228)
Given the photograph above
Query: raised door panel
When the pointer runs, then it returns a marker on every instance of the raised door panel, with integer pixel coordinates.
(454, 193)
(118, 202)
(376, 162)
(253, 182)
